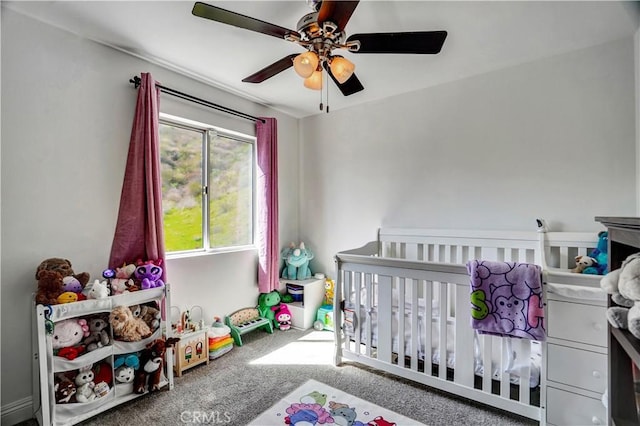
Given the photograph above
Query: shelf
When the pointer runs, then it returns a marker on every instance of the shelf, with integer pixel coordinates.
(629, 343)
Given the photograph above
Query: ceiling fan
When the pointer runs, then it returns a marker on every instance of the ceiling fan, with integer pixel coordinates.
(320, 33)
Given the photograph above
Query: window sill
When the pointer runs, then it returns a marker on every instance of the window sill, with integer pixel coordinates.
(198, 253)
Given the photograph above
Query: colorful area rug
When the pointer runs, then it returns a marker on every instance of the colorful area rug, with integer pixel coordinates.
(315, 403)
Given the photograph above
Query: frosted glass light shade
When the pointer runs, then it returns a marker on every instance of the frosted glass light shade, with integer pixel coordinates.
(342, 69)
(314, 82)
(305, 64)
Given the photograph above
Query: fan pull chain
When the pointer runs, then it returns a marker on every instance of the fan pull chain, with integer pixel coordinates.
(327, 86)
(321, 106)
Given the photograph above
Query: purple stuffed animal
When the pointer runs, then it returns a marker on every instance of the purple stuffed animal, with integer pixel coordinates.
(149, 273)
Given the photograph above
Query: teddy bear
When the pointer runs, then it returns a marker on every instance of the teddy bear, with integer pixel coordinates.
(151, 365)
(99, 335)
(67, 336)
(127, 327)
(584, 262)
(50, 287)
(624, 286)
(62, 266)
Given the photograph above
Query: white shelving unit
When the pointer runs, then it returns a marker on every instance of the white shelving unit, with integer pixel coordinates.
(303, 313)
(46, 365)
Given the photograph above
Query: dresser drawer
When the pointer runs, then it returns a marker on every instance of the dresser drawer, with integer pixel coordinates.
(566, 408)
(574, 367)
(578, 322)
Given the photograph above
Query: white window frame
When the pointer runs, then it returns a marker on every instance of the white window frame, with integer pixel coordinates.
(209, 130)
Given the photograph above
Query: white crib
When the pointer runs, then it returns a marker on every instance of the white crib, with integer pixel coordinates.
(391, 289)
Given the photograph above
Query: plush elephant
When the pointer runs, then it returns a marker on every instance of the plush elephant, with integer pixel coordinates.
(296, 262)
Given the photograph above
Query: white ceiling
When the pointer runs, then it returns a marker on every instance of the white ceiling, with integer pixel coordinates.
(482, 36)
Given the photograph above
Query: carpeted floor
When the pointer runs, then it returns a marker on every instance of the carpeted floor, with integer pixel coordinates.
(236, 388)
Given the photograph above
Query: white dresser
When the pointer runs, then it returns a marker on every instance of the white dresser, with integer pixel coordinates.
(576, 356)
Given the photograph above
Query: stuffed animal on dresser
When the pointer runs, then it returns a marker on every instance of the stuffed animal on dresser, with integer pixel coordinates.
(126, 327)
(151, 365)
(624, 286)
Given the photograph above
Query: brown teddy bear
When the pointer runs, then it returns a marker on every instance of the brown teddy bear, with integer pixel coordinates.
(63, 267)
(49, 287)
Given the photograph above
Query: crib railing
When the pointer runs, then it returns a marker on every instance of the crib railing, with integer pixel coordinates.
(395, 320)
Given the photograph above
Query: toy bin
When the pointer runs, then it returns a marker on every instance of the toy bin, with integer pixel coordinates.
(296, 291)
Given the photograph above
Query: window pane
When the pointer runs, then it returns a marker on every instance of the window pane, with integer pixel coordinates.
(181, 159)
(230, 192)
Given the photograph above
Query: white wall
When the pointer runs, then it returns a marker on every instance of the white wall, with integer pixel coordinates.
(67, 110)
(553, 139)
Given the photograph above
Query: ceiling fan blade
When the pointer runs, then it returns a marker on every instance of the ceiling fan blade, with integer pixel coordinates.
(337, 11)
(349, 87)
(214, 13)
(420, 42)
(271, 70)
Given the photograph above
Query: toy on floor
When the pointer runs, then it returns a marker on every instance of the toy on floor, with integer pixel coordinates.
(267, 304)
(283, 317)
(245, 320)
(624, 286)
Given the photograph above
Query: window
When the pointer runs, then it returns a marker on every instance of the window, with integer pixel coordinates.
(207, 186)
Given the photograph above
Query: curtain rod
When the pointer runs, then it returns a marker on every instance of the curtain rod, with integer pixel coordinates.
(136, 81)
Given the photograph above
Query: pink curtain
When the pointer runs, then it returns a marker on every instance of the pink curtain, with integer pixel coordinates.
(139, 233)
(267, 206)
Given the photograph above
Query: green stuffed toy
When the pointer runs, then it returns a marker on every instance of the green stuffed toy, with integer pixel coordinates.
(268, 304)
(296, 260)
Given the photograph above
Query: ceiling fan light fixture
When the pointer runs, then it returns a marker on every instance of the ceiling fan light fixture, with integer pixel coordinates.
(314, 82)
(341, 68)
(305, 64)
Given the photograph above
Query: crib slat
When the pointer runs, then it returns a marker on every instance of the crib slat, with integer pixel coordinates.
(487, 356)
(367, 303)
(523, 349)
(384, 318)
(504, 364)
(415, 329)
(564, 257)
(401, 319)
(356, 320)
(442, 369)
(463, 372)
(427, 287)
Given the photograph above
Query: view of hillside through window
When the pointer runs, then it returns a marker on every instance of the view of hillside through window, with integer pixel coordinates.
(210, 213)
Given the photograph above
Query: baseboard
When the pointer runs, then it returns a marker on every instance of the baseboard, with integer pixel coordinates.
(17, 411)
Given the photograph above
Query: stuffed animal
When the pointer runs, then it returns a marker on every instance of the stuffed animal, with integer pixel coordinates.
(63, 267)
(99, 333)
(67, 297)
(126, 327)
(583, 262)
(151, 365)
(296, 262)
(67, 336)
(601, 255)
(85, 384)
(125, 367)
(266, 305)
(64, 389)
(50, 287)
(99, 290)
(149, 273)
(329, 291)
(624, 286)
(151, 316)
(120, 280)
(283, 317)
